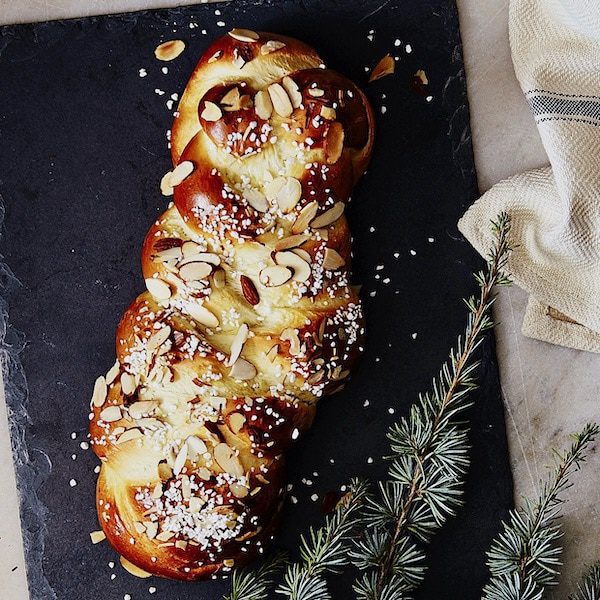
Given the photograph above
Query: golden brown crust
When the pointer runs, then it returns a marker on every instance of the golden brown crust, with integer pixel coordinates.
(249, 317)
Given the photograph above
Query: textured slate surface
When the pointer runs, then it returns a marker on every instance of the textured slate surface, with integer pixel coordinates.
(82, 150)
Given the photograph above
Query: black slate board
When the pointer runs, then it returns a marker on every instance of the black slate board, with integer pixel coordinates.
(82, 150)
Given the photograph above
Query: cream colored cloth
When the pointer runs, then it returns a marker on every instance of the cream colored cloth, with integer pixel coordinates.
(555, 211)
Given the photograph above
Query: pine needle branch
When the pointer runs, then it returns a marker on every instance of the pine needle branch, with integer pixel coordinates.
(589, 588)
(253, 584)
(430, 454)
(525, 558)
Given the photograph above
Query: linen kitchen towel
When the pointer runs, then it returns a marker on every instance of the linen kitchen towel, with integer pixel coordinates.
(555, 211)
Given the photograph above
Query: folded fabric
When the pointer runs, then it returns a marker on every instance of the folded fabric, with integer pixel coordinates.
(555, 211)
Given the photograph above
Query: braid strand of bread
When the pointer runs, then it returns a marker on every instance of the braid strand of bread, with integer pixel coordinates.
(248, 318)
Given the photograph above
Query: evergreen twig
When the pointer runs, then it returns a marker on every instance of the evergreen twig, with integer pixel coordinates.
(525, 558)
(589, 588)
(253, 584)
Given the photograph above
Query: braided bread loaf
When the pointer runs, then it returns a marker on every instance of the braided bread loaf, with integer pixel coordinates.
(248, 317)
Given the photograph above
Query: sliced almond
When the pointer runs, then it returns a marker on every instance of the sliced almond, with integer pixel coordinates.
(113, 372)
(329, 216)
(327, 112)
(133, 570)
(300, 267)
(231, 100)
(244, 35)
(158, 288)
(165, 472)
(182, 171)
(243, 370)
(205, 257)
(99, 393)
(280, 99)
(129, 435)
(291, 335)
(239, 491)
(202, 315)
(238, 344)
(316, 92)
(422, 77)
(293, 91)
(111, 414)
(139, 527)
(275, 276)
(384, 67)
(159, 338)
(292, 241)
(307, 214)
(257, 200)
(219, 279)
(196, 504)
(332, 260)
(272, 353)
(303, 254)
(181, 544)
(149, 423)
(196, 447)
(128, 385)
(271, 46)
(139, 410)
(166, 188)
(151, 529)
(285, 191)
(97, 536)
(334, 142)
(236, 421)
(168, 254)
(211, 112)
(190, 248)
(263, 105)
(195, 271)
(227, 460)
(169, 50)
(165, 536)
(180, 460)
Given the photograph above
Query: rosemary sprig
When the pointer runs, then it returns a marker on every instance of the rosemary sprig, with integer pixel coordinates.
(524, 559)
(430, 455)
(254, 584)
(589, 588)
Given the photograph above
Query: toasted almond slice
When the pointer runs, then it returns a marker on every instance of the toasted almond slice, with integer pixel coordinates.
(275, 276)
(131, 568)
(280, 99)
(196, 504)
(139, 410)
(292, 241)
(263, 105)
(239, 491)
(303, 254)
(180, 460)
(111, 414)
(158, 288)
(165, 472)
(238, 344)
(332, 260)
(182, 171)
(190, 248)
(271, 46)
(196, 447)
(291, 335)
(166, 188)
(327, 112)
(129, 435)
(285, 191)
(316, 92)
(334, 143)
(231, 99)
(384, 67)
(99, 393)
(169, 50)
(151, 528)
(164, 536)
(293, 91)
(272, 353)
(128, 385)
(97, 536)
(113, 372)
(228, 461)
(329, 216)
(158, 338)
(290, 259)
(149, 423)
(205, 257)
(307, 214)
(219, 279)
(422, 77)
(168, 254)
(257, 200)
(211, 112)
(195, 271)
(244, 35)
(242, 369)
(200, 313)
(236, 421)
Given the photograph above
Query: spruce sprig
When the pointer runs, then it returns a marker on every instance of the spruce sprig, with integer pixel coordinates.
(525, 558)
(430, 455)
(253, 584)
(589, 588)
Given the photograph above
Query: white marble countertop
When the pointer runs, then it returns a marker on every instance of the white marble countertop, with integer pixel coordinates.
(548, 391)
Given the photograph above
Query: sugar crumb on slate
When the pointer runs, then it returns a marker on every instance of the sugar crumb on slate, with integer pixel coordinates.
(408, 48)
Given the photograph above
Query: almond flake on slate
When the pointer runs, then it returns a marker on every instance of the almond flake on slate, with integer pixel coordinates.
(263, 105)
(275, 276)
(227, 460)
(159, 289)
(300, 267)
(169, 50)
(195, 271)
(332, 260)
(306, 215)
(291, 87)
(249, 290)
(97, 536)
(181, 171)
(111, 414)
(384, 67)
(271, 46)
(127, 383)
(211, 112)
(202, 315)
(281, 100)
(133, 570)
(238, 344)
(236, 421)
(99, 394)
(257, 200)
(329, 216)
(244, 35)
(243, 370)
(422, 77)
